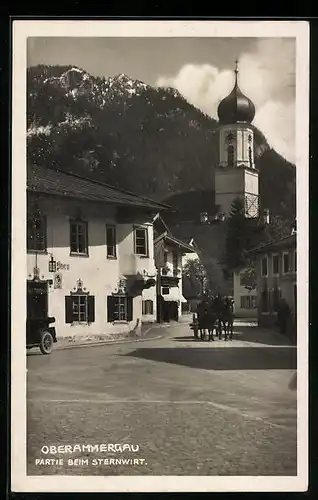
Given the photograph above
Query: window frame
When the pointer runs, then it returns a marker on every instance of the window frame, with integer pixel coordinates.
(124, 316)
(84, 224)
(145, 230)
(147, 311)
(112, 227)
(265, 257)
(32, 218)
(252, 300)
(76, 300)
(74, 318)
(276, 255)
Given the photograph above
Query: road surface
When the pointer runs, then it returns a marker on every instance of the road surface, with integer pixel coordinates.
(184, 407)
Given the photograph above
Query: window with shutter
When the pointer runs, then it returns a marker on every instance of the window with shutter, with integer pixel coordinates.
(90, 309)
(129, 308)
(68, 309)
(79, 308)
(111, 309)
(119, 308)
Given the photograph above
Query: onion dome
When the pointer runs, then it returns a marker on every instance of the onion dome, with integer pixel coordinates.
(236, 107)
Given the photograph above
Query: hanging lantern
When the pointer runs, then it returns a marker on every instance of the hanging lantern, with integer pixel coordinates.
(52, 265)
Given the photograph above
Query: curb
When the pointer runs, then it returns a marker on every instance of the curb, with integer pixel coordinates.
(107, 342)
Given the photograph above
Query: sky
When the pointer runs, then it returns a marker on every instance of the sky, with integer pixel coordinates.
(200, 68)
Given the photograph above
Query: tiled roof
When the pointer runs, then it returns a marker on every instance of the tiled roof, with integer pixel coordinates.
(287, 241)
(48, 181)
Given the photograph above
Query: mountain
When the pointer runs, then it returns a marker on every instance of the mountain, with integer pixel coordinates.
(140, 138)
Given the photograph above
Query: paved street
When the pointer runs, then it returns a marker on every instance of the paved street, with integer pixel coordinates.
(194, 408)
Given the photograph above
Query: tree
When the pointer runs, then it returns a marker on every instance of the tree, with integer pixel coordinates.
(238, 236)
(248, 278)
(195, 278)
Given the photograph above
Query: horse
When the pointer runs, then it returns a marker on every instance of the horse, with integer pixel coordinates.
(211, 319)
(218, 310)
(228, 317)
(202, 312)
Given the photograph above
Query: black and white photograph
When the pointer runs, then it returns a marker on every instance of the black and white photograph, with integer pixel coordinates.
(159, 256)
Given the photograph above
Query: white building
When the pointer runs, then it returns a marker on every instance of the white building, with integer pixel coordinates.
(276, 269)
(90, 246)
(169, 252)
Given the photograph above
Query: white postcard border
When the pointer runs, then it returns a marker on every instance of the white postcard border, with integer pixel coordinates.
(20, 482)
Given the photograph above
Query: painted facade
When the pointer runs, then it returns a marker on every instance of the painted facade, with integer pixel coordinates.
(96, 263)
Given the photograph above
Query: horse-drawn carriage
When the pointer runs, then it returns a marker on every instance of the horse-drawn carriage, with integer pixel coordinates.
(216, 314)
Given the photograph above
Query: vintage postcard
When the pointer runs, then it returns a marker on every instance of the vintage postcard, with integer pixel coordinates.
(160, 256)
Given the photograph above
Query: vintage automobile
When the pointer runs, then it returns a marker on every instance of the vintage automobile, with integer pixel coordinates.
(39, 333)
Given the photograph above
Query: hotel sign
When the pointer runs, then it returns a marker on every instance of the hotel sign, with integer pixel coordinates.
(57, 266)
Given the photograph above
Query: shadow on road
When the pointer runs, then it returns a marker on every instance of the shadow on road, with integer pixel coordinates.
(254, 334)
(251, 334)
(220, 358)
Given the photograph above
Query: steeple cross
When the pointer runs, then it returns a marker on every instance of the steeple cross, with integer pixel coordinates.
(236, 66)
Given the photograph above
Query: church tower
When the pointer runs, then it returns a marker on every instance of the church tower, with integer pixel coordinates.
(236, 175)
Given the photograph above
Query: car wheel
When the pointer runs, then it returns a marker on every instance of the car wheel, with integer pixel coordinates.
(46, 345)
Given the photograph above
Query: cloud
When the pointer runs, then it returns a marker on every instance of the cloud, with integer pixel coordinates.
(267, 76)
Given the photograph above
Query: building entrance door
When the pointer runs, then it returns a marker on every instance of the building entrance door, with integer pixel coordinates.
(37, 300)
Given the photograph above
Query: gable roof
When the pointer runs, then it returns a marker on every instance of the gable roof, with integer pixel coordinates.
(174, 241)
(57, 183)
(182, 233)
(159, 220)
(286, 242)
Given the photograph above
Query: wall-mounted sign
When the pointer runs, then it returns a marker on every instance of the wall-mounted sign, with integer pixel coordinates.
(58, 280)
(62, 267)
